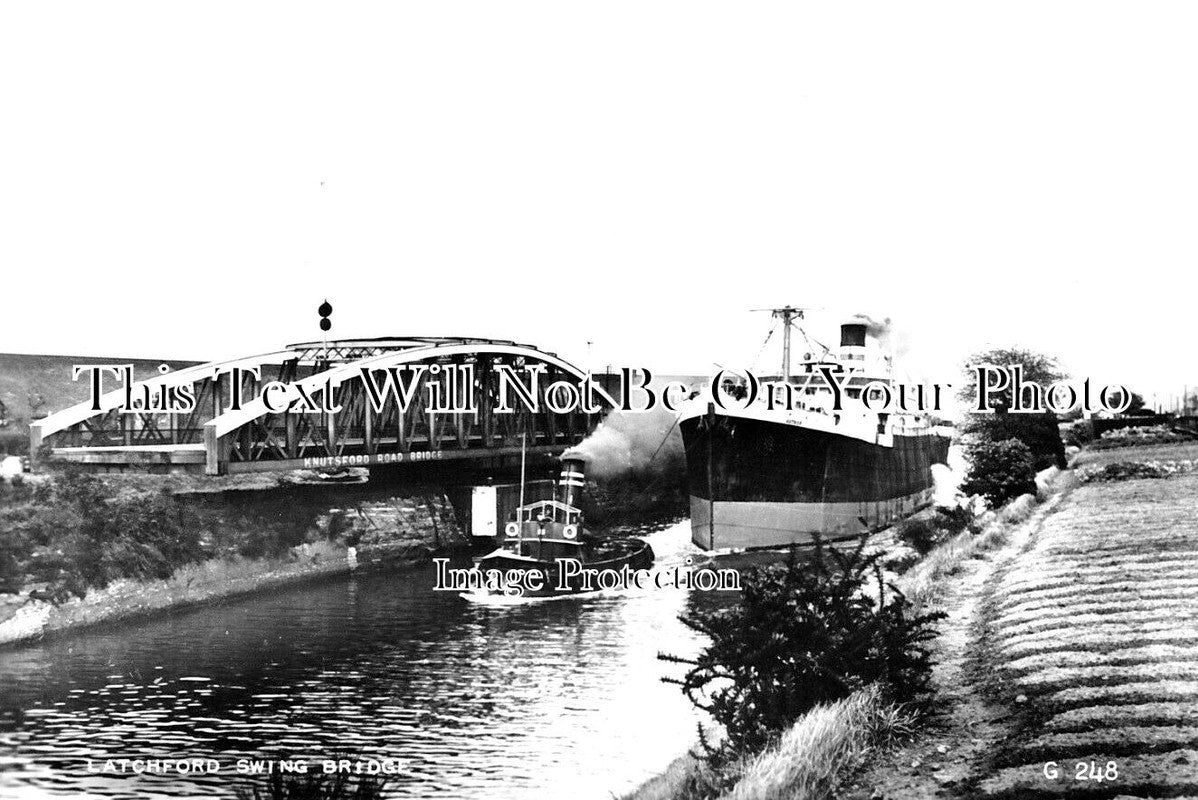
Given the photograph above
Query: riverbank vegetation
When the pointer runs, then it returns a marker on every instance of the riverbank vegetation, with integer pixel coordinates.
(999, 471)
(825, 749)
(70, 532)
(314, 786)
(803, 636)
(14, 442)
(78, 549)
(812, 629)
(813, 758)
(1005, 450)
(1039, 432)
(924, 531)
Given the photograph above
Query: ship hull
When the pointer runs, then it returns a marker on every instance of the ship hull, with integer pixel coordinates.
(749, 525)
(758, 483)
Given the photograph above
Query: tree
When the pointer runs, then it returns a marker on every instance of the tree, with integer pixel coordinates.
(1037, 368)
(1039, 432)
(999, 471)
(1136, 407)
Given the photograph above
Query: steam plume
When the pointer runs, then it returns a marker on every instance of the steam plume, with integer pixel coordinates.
(884, 332)
(627, 441)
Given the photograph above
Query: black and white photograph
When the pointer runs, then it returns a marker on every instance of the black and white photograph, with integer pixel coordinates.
(575, 401)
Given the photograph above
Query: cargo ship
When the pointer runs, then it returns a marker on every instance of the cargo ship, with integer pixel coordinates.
(769, 475)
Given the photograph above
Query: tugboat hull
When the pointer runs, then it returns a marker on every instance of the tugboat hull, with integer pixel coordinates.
(635, 554)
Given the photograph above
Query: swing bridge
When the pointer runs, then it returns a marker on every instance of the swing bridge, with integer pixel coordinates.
(236, 423)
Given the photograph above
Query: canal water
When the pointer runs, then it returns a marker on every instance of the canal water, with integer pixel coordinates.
(557, 698)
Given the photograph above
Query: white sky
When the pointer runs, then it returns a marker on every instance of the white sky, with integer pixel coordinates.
(191, 180)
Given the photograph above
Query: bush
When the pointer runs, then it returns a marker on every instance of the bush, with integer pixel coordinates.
(14, 441)
(1126, 471)
(17, 489)
(74, 534)
(999, 471)
(1078, 434)
(902, 560)
(924, 532)
(260, 524)
(954, 519)
(802, 634)
(77, 531)
(921, 534)
(1141, 435)
(1040, 432)
(313, 786)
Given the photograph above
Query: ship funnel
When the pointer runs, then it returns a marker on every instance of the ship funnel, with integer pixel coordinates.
(572, 479)
(852, 334)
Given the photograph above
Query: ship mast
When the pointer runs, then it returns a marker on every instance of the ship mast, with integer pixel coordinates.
(788, 315)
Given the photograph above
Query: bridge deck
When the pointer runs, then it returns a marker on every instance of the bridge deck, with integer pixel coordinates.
(119, 455)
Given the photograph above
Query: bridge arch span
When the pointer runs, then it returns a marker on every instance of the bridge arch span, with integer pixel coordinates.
(217, 440)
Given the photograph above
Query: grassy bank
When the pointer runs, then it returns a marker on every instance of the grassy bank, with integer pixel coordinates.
(1068, 664)
(77, 549)
(190, 585)
(1093, 641)
(927, 580)
(811, 760)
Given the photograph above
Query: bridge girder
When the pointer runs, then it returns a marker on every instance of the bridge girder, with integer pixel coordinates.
(257, 438)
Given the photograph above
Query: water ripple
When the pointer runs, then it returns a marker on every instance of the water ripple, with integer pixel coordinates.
(537, 700)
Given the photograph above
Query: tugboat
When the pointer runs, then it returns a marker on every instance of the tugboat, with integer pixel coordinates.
(766, 476)
(548, 537)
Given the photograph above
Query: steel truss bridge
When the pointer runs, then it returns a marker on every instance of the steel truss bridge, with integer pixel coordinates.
(280, 431)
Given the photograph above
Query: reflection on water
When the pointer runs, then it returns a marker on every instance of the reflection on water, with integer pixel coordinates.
(558, 698)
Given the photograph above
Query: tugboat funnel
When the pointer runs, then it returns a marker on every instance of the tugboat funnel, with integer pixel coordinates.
(572, 478)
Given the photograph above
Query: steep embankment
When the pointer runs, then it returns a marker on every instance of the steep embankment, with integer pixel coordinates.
(1095, 643)
(967, 725)
(1068, 666)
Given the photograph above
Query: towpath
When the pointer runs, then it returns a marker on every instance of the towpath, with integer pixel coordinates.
(1068, 666)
